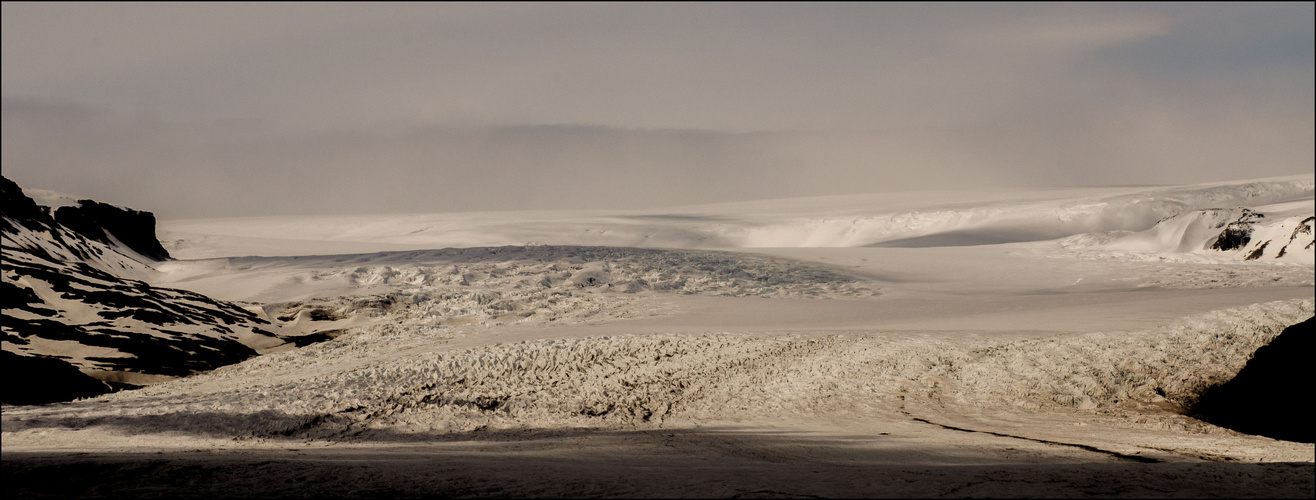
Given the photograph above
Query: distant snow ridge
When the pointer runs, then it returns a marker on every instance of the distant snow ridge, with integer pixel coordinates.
(72, 309)
(934, 219)
(1021, 221)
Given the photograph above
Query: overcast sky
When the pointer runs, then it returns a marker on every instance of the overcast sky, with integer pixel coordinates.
(236, 109)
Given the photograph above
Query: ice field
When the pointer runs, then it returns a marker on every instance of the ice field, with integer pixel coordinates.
(1046, 342)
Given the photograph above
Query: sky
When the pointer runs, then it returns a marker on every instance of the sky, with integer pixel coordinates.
(247, 109)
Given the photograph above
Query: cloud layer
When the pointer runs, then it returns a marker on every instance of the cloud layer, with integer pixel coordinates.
(221, 110)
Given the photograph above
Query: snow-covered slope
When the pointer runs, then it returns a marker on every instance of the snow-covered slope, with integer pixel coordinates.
(73, 310)
(1238, 234)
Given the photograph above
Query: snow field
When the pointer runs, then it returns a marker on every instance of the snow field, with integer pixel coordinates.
(975, 217)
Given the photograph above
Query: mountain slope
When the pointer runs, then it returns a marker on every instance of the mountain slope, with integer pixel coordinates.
(77, 323)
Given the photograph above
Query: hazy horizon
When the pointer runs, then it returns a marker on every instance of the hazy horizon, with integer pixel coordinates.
(286, 109)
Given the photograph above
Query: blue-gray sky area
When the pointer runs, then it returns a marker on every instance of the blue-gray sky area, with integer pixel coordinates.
(218, 110)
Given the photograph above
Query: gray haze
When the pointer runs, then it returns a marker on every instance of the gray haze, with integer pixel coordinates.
(251, 109)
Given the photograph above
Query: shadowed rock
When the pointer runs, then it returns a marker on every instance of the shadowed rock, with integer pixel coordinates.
(1271, 395)
(37, 380)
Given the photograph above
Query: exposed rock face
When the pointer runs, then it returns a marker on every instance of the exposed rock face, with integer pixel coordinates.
(75, 324)
(1271, 395)
(99, 222)
(19, 209)
(1238, 232)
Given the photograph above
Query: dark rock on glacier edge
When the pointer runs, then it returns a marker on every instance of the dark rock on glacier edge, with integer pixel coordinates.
(1271, 395)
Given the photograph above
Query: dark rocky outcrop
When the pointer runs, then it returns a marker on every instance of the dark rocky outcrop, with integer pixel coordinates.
(98, 221)
(18, 208)
(1237, 233)
(1271, 396)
